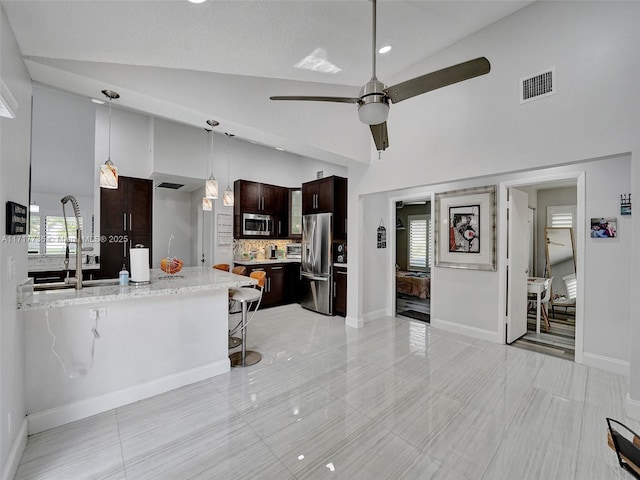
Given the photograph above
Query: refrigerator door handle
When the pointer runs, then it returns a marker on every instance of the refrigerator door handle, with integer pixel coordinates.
(311, 276)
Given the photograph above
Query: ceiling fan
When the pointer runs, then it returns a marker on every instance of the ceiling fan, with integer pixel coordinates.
(373, 102)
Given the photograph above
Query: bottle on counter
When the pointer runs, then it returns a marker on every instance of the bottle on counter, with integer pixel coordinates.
(124, 276)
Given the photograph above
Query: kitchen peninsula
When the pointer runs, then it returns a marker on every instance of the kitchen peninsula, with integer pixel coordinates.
(94, 349)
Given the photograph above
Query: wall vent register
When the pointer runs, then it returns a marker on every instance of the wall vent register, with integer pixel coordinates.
(540, 85)
(172, 186)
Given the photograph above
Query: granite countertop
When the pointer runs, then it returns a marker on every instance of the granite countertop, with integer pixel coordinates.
(259, 262)
(188, 280)
(55, 263)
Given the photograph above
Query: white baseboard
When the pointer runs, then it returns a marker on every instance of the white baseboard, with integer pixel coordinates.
(40, 421)
(11, 466)
(608, 364)
(473, 332)
(375, 314)
(354, 322)
(632, 408)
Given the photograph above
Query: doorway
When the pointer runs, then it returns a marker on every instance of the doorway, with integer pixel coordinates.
(558, 332)
(413, 254)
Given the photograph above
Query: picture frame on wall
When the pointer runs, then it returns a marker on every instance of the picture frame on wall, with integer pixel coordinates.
(465, 229)
(604, 227)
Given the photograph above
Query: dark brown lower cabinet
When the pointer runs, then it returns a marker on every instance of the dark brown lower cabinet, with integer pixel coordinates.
(340, 291)
(281, 282)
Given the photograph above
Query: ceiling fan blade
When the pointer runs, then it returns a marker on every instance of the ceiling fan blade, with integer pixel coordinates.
(318, 99)
(380, 136)
(441, 78)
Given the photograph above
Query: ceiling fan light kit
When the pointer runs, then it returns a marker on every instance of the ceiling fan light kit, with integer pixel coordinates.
(373, 107)
(373, 102)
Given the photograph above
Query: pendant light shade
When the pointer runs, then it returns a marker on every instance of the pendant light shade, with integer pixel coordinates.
(227, 199)
(108, 171)
(211, 188)
(211, 185)
(207, 205)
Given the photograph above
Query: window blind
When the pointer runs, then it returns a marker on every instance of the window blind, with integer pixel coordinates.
(418, 241)
(56, 235)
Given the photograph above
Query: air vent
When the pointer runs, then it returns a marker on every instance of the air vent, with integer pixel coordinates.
(538, 86)
(172, 186)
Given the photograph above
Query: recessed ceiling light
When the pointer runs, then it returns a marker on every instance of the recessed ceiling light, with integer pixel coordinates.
(385, 49)
(280, 148)
(197, 1)
(99, 102)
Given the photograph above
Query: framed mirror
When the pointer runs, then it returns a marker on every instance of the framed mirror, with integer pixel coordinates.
(561, 265)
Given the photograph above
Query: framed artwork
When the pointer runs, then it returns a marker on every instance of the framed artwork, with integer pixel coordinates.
(465, 229)
(604, 227)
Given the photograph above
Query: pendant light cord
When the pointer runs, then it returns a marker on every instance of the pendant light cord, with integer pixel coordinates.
(109, 155)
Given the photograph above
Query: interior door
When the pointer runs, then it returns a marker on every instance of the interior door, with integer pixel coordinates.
(518, 260)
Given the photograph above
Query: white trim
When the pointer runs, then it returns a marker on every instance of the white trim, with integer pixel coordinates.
(474, 332)
(609, 364)
(375, 314)
(13, 460)
(632, 408)
(54, 417)
(354, 322)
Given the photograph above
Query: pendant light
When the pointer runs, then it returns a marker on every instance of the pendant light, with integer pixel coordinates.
(108, 171)
(211, 185)
(227, 199)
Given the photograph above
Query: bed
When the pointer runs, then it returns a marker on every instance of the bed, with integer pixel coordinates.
(416, 284)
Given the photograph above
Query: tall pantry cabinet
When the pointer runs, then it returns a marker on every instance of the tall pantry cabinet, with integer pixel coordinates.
(126, 215)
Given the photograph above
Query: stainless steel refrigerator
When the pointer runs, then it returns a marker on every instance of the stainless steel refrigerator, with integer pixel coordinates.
(316, 263)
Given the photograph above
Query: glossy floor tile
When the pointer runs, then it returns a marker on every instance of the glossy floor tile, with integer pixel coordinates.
(393, 400)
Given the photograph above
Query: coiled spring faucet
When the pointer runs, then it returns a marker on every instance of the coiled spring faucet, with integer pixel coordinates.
(78, 242)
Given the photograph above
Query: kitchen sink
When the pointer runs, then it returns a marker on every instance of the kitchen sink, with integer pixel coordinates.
(71, 284)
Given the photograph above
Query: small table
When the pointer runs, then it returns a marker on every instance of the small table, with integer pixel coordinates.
(537, 285)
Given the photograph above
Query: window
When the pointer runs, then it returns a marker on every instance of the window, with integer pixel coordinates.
(56, 235)
(419, 242)
(561, 216)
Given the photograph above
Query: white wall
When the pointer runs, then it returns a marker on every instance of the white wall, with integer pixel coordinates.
(14, 186)
(172, 216)
(181, 149)
(375, 268)
(63, 144)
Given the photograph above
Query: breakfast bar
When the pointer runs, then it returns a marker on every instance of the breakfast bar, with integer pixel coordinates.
(101, 347)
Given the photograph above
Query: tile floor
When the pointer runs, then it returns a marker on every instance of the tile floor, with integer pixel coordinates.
(396, 399)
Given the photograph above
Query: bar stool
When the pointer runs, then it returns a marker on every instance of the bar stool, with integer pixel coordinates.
(233, 308)
(246, 296)
(222, 266)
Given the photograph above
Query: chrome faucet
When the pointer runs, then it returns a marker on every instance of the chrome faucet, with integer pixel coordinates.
(78, 242)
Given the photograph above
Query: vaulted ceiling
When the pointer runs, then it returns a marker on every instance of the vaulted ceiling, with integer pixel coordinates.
(223, 59)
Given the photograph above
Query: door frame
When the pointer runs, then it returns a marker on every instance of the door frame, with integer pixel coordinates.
(579, 177)
(427, 195)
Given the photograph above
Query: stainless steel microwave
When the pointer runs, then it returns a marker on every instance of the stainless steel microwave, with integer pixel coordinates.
(257, 224)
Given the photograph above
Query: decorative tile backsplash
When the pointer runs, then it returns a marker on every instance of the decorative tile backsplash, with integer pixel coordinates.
(258, 248)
